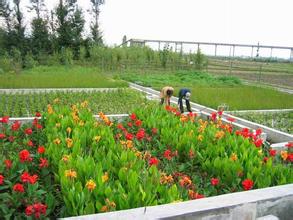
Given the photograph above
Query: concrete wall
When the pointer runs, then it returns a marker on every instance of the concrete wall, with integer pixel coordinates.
(248, 205)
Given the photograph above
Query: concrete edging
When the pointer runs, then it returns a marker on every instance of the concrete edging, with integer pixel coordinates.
(252, 204)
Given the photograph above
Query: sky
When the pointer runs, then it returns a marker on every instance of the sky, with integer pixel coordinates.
(268, 22)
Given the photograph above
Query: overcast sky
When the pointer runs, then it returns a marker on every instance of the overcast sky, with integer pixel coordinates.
(231, 21)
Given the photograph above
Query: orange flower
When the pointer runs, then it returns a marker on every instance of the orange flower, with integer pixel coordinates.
(105, 177)
(65, 158)
(50, 109)
(200, 138)
(69, 142)
(185, 181)
(91, 185)
(191, 154)
(234, 157)
(68, 130)
(166, 179)
(84, 104)
(219, 134)
(104, 209)
(70, 173)
(284, 155)
(57, 141)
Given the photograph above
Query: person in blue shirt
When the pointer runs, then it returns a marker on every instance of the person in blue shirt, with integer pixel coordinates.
(184, 94)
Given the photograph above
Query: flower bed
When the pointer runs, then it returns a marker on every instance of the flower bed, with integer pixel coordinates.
(26, 181)
(25, 105)
(155, 156)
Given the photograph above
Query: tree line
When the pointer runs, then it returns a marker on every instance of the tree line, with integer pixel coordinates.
(51, 32)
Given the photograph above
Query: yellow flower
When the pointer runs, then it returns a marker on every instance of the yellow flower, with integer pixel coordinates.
(91, 185)
(138, 154)
(60, 116)
(105, 177)
(50, 109)
(219, 134)
(260, 152)
(234, 157)
(84, 104)
(200, 138)
(284, 155)
(65, 158)
(97, 138)
(69, 142)
(57, 141)
(68, 130)
(190, 133)
(58, 125)
(110, 204)
(56, 101)
(70, 173)
(81, 123)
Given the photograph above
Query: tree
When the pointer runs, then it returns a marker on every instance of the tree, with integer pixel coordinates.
(6, 13)
(77, 29)
(40, 34)
(95, 30)
(63, 15)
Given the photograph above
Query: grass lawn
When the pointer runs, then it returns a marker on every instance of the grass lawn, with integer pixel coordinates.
(213, 91)
(60, 77)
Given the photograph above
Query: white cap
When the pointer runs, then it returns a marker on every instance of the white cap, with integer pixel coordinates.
(187, 96)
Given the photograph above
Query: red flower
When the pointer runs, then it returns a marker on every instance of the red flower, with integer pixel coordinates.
(33, 179)
(153, 161)
(273, 152)
(37, 209)
(178, 113)
(265, 159)
(43, 163)
(38, 114)
(214, 181)
(198, 196)
(247, 184)
(220, 113)
(11, 139)
(120, 126)
(38, 126)
(25, 177)
(4, 119)
(24, 155)
(140, 134)
(129, 124)
(231, 119)
(133, 117)
(258, 132)
(1, 179)
(15, 126)
(290, 157)
(129, 136)
(30, 143)
(8, 164)
(154, 130)
(191, 154)
(2, 136)
(29, 210)
(41, 149)
(28, 131)
(258, 143)
(138, 123)
(168, 154)
(289, 145)
(18, 187)
(214, 116)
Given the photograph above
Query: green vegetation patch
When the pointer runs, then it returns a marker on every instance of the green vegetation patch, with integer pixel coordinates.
(214, 91)
(60, 77)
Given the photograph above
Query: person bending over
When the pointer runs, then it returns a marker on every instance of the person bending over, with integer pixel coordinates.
(184, 94)
(166, 94)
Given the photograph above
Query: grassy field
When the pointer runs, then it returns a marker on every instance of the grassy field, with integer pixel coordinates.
(115, 102)
(213, 91)
(60, 77)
